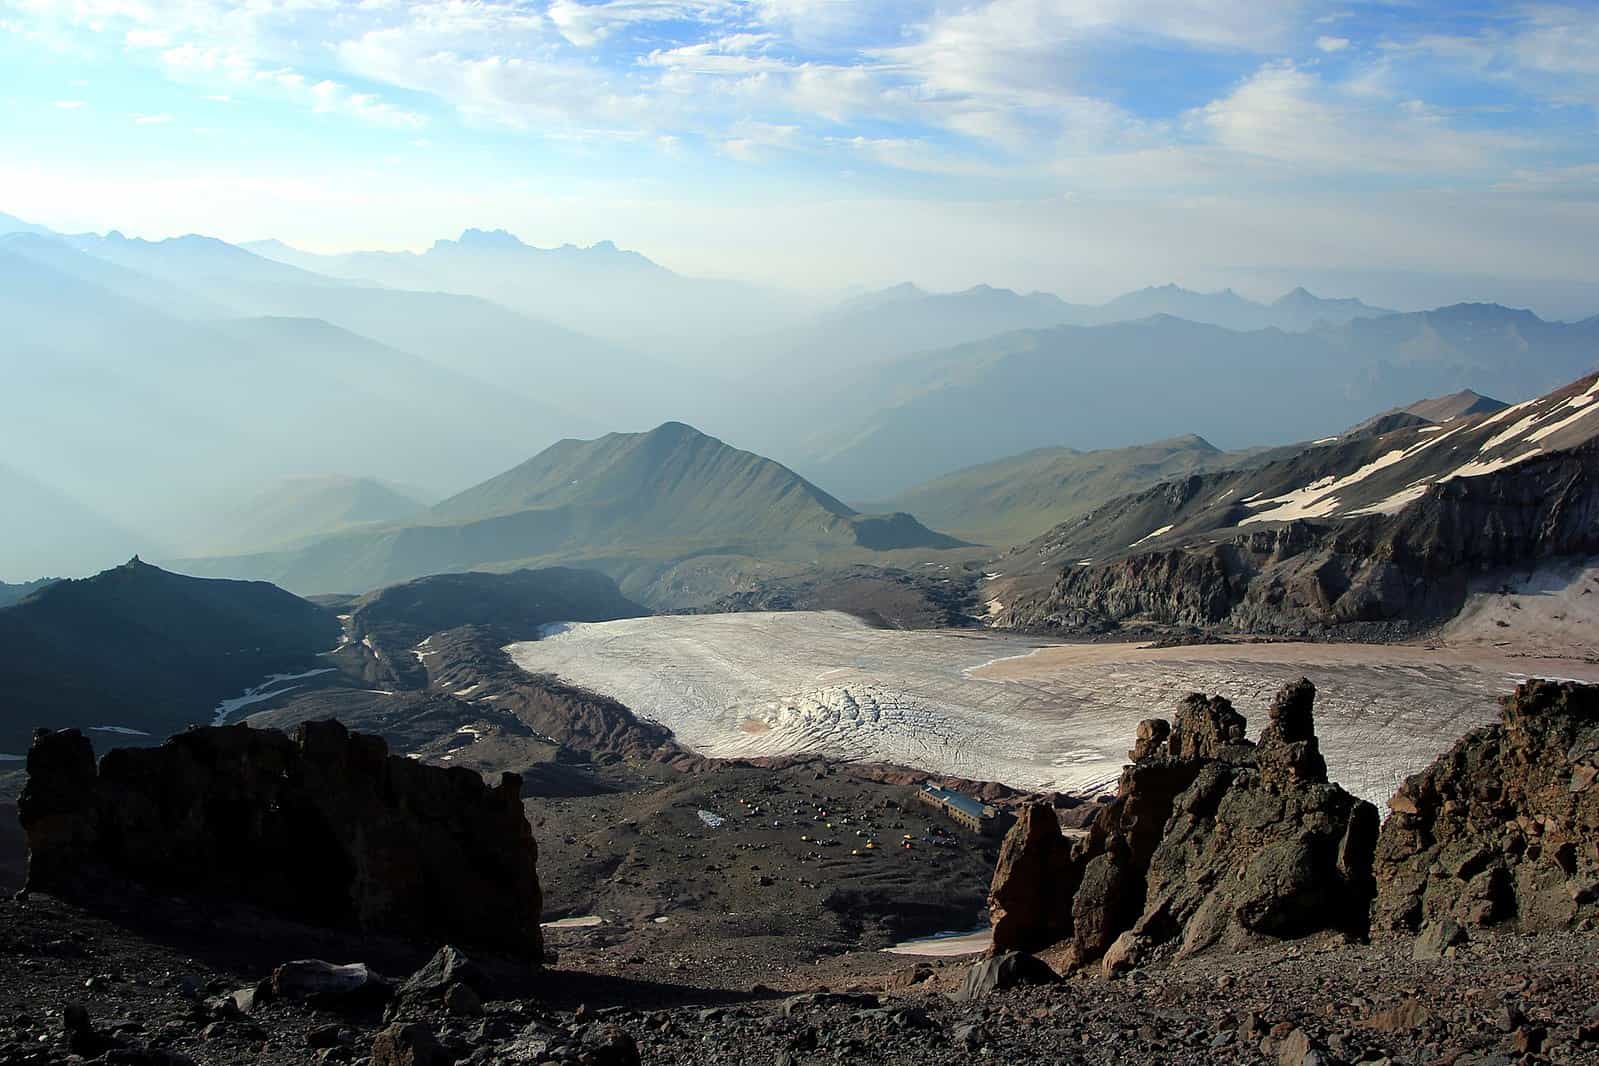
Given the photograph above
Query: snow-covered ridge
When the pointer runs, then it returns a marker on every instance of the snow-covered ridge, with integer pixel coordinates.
(1421, 459)
(271, 688)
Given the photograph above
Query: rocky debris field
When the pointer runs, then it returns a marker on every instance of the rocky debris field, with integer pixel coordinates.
(166, 989)
(742, 870)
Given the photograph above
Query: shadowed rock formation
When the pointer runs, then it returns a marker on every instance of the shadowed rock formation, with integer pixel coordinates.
(1504, 828)
(323, 826)
(1211, 840)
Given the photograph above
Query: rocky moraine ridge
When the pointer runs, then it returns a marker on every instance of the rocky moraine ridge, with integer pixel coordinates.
(1375, 534)
(238, 895)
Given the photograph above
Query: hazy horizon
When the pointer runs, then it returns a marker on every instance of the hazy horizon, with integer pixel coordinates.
(1551, 298)
(1408, 155)
(786, 163)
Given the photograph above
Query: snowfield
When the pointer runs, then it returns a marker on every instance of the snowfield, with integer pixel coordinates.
(995, 706)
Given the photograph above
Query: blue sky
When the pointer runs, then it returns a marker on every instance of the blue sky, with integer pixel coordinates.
(1077, 145)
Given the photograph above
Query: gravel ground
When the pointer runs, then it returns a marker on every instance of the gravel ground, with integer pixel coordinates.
(148, 982)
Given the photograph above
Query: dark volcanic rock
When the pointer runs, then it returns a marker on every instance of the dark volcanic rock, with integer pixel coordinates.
(325, 984)
(324, 826)
(410, 1044)
(1505, 826)
(1366, 575)
(1211, 840)
(1004, 971)
(1024, 895)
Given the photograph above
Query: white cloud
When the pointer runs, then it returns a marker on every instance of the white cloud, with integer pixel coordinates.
(152, 120)
(1560, 40)
(69, 105)
(146, 38)
(1332, 44)
(1286, 115)
(587, 24)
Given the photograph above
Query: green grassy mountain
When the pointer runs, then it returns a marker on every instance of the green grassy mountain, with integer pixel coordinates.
(1015, 499)
(138, 648)
(637, 506)
(297, 509)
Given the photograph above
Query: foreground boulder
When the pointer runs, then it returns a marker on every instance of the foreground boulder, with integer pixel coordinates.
(1210, 841)
(1504, 828)
(325, 826)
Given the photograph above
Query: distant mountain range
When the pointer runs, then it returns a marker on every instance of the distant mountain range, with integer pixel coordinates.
(297, 509)
(137, 648)
(668, 513)
(45, 532)
(10, 594)
(909, 420)
(880, 326)
(600, 290)
(155, 382)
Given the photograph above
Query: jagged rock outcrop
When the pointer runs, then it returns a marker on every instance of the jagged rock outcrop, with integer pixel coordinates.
(1366, 575)
(1211, 840)
(324, 826)
(1504, 828)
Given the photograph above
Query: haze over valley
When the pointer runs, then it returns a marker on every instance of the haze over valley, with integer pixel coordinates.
(418, 375)
(722, 532)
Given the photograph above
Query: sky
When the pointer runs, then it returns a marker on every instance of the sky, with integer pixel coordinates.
(1078, 146)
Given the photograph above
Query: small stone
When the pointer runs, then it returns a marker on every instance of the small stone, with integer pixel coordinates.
(323, 1036)
(1436, 938)
(608, 1045)
(1298, 1049)
(1403, 1017)
(970, 1037)
(409, 1044)
(460, 1000)
(1529, 1039)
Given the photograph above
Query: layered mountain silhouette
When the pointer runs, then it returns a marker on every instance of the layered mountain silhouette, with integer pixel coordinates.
(919, 417)
(881, 326)
(297, 509)
(114, 399)
(600, 290)
(138, 648)
(153, 378)
(633, 505)
(45, 532)
(10, 594)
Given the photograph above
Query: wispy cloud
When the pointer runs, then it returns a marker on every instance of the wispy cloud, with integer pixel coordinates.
(984, 90)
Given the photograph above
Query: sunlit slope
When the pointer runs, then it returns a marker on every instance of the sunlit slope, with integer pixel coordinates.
(631, 504)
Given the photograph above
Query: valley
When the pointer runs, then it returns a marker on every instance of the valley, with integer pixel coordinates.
(1031, 714)
(799, 533)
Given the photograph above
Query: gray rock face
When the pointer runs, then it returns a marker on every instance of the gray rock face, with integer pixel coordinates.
(324, 826)
(1504, 828)
(1211, 841)
(1006, 970)
(1360, 575)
